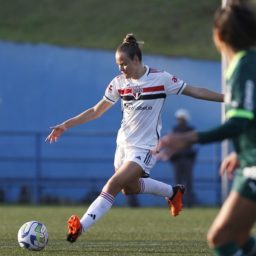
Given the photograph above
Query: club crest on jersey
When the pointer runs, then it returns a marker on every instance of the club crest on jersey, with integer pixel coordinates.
(137, 91)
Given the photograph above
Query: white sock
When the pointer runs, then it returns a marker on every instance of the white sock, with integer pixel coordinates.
(96, 210)
(155, 187)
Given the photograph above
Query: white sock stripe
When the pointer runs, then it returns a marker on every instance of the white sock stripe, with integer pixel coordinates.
(142, 185)
(107, 196)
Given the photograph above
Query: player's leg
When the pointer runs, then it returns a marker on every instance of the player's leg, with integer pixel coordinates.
(144, 184)
(230, 230)
(146, 160)
(129, 172)
(173, 194)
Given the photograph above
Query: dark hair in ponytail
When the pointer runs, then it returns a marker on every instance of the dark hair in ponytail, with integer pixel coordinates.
(236, 24)
(131, 47)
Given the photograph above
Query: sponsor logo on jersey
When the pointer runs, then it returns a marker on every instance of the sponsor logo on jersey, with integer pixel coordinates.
(249, 91)
(129, 106)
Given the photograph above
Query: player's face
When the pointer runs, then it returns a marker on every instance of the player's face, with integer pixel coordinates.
(126, 66)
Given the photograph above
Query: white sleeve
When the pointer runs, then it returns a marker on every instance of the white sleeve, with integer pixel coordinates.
(173, 84)
(111, 93)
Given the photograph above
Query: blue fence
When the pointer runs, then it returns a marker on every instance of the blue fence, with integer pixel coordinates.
(76, 168)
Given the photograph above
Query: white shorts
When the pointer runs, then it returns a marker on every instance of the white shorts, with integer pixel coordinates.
(143, 157)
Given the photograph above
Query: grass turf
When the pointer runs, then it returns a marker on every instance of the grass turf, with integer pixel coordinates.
(176, 28)
(123, 231)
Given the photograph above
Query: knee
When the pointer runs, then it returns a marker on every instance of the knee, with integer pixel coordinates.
(112, 186)
(112, 182)
(128, 191)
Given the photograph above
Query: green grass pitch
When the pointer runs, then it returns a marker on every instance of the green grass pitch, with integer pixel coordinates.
(123, 231)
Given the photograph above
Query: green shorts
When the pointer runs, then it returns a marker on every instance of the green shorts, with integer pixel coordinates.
(244, 185)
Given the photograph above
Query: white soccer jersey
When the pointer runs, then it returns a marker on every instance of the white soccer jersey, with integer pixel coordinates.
(142, 101)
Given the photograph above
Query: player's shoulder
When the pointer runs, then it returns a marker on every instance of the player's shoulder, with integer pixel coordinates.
(119, 77)
(245, 67)
(248, 59)
(155, 72)
(118, 80)
(250, 56)
(162, 74)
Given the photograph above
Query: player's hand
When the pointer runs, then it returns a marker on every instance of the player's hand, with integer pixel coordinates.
(56, 133)
(229, 164)
(170, 144)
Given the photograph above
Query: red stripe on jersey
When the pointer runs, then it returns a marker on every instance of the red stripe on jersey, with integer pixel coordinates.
(154, 89)
(125, 91)
(148, 89)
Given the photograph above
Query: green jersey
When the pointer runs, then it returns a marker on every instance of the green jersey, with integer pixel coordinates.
(240, 126)
(240, 99)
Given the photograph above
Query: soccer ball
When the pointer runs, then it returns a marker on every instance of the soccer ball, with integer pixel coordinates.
(33, 236)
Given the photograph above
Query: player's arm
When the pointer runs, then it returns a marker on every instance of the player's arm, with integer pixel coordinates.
(173, 142)
(90, 114)
(84, 117)
(230, 129)
(203, 93)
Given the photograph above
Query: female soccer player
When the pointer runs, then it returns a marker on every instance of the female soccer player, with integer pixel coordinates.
(142, 91)
(234, 35)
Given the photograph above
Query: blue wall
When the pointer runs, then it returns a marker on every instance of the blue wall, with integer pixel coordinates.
(42, 85)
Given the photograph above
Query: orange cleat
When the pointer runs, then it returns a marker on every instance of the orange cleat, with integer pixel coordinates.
(74, 229)
(175, 202)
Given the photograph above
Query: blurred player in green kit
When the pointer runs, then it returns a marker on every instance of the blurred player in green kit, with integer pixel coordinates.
(234, 34)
